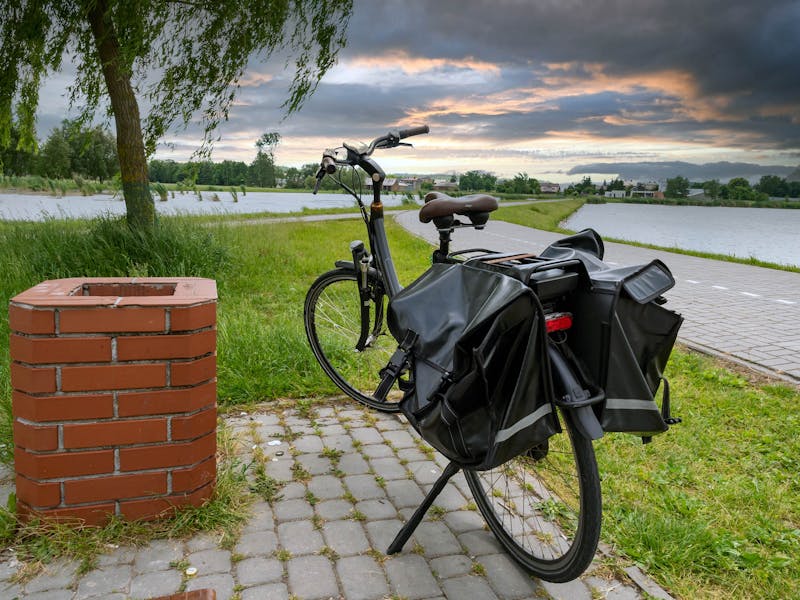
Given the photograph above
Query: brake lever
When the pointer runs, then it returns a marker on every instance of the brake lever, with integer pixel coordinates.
(320, 175)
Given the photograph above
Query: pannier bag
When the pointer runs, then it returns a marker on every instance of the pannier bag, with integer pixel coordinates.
(622, 336)
(481, 390)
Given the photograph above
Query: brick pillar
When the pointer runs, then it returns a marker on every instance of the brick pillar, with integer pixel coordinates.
(114, 396)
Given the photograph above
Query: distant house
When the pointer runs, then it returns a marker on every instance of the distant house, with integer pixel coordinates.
(615, 194)
(389, 185)
(409, 184)
(646, 190)
(444, 185)
(549, 188)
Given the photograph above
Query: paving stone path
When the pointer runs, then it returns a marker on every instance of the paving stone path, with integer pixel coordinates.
(352, 478)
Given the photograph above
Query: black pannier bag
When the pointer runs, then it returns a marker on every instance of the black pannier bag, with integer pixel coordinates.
(622, 335)
(481, 390)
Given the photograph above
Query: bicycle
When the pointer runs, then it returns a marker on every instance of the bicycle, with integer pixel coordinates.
(545, 505)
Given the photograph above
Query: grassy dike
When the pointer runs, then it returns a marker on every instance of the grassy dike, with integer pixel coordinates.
(710, 509)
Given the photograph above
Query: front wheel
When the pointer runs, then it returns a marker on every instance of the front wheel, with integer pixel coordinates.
(545, 506)
(333, 322)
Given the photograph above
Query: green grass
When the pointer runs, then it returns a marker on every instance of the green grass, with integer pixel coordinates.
(540, 215)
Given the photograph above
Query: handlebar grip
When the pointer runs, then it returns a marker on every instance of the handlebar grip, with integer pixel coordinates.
(404, 133)
(328, 164)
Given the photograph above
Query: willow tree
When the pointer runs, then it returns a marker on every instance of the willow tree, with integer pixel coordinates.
(182, 59)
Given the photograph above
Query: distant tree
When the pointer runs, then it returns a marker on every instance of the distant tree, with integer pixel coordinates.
(14, 158)
(93, 150)
(199, 51)
(261, 172)
(55, 159)
(712, 188)
(520, 184)
(477, 180)
(739, 189)
(772, 185)
(677, 187)
(616, 184)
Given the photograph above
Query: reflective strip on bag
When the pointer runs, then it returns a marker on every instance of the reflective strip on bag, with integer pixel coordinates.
(631, 404)
(523, 423)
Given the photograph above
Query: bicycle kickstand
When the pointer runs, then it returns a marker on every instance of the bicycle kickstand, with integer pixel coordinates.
(402, 536)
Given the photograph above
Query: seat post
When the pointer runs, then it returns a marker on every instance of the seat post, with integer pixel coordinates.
(444, 225)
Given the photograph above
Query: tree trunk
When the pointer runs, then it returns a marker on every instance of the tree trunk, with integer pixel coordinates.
(130, 145)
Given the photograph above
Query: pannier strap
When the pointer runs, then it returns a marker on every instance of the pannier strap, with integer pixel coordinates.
(398, 363)
(668, 419)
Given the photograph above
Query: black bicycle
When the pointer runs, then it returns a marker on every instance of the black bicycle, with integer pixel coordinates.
(545, 505)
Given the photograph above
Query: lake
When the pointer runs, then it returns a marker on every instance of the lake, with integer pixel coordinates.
(33, 207)
(764, 233)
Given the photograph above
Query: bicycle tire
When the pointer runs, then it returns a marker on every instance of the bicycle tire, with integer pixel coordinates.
(545, 506)
(333, 325)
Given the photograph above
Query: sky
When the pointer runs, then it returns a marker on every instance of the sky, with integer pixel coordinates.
(551, 88)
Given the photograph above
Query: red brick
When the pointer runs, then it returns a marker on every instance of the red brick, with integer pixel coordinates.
(115, 433)
(193, 372)
(167, 455)
(164, 506)
(111, 319)
(193, 317)
(62, 408)
(113, 377)
(194, 426)
(169, 401)
(34, 380)
(60, 350)
(39, 495)
(186, 480)
(99, 489)
(154, 347)
(63, 464)
(91, 515)
(29, 320)
(35, 438)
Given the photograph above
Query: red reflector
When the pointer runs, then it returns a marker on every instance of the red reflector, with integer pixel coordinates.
(558, 322)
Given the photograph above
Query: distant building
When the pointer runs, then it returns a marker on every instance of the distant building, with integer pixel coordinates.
(445, 185)
(549, 188)
(615, 194)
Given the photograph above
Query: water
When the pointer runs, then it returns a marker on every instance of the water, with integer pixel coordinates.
(766, 234)
(31, 207)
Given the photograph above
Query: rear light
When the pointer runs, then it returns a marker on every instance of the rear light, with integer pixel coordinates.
(558, 321)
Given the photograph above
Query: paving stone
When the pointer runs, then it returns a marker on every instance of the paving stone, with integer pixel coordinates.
(332, 430)
(404, 493)
(280, 467)
(399, 438)
(158, 555)
(300, 537)
(315, 464)
(346, 538)
(260, 543)
(387, 422)
(462, 521)
(312, 578)
(103, 582)
(222, 583)
(389, 468)
(211, 561)
(267, 420)
(572, 590)
(124, 555)
(364, 487)
(381, 533)
(273, 591)
(261, 518)
(506, 577)
(353, 464)
(308, 444)
(332, 510)
(377, 450)
(376, 510)
(292, 510)
(411, 455)
(480, 542)
(424, 472)
(366, 435)
(436, 538)
(339, 442)
(611, 590)
(468, 587)
(258, 570)
(151, 585)
(48, 595)
(293, 490)
(58, 574)
(326, 487)
(202, 541)
(449, 499)
(410, 577)
(362, 578)
(451, 566)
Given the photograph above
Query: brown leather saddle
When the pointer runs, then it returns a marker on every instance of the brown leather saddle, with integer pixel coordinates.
(475, 206)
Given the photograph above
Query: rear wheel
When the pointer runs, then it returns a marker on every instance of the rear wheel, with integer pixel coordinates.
(333, 322)
(545, 506)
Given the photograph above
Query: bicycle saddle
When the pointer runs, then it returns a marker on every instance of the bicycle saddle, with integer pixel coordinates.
(439, 205)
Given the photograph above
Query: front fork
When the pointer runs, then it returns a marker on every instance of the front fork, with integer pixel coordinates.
(361, 265)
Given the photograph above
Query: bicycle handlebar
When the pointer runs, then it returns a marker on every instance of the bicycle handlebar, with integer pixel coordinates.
(404, 133)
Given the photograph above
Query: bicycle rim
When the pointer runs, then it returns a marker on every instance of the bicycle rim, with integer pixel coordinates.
(545, 506)
(332, 317)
